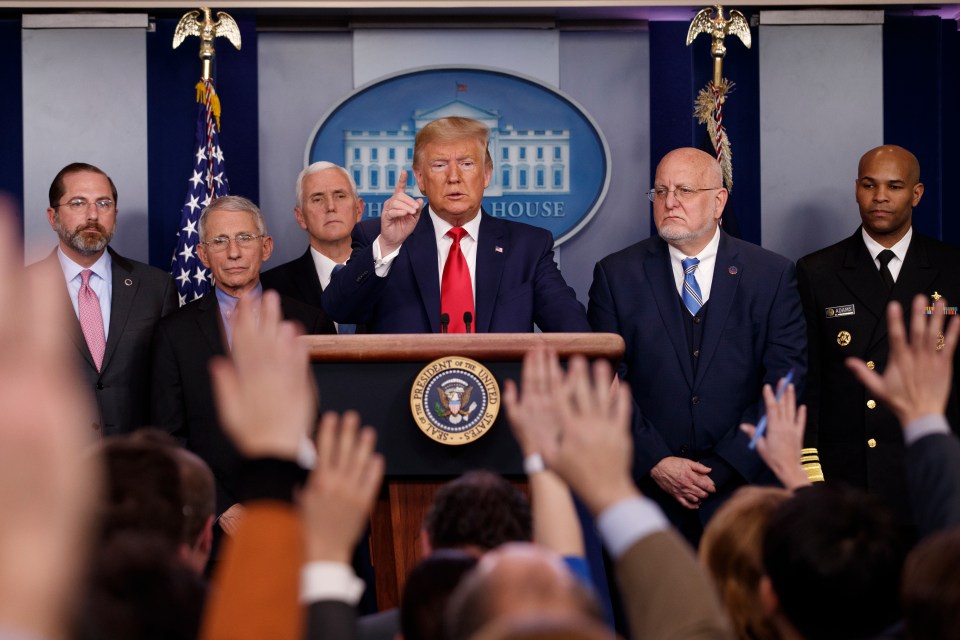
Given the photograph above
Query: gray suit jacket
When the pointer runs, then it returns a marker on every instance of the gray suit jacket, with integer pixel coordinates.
(141, 296)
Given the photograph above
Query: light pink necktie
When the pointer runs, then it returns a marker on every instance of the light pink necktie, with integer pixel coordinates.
(91, 319)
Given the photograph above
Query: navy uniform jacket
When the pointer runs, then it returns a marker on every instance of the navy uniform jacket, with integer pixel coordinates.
(754, 334)
(518, 283)
(860, 442)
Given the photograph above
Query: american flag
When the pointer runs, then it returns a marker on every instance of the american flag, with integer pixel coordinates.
(209, 181)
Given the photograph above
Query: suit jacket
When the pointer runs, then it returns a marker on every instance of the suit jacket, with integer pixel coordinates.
(298, 279)
(183, 403)
(859, 441)
(518, 283)
(753, 334)
(141, 295)
(933, 477)
(667, 594)
(255, 592)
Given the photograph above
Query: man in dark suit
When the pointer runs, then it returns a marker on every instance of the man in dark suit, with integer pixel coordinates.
(707, 320)
(328, 208)
(500, 274)
(233, 245)
(845, 290)
(127, 298)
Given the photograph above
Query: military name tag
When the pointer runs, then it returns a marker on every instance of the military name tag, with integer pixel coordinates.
(842, 310)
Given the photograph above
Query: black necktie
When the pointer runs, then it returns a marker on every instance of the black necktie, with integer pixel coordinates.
(885, 257)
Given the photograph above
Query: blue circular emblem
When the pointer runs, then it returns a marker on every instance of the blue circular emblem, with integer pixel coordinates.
(455, 400)
(551, 162)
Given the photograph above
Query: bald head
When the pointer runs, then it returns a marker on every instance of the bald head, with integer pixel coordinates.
(515, 580)
(703, 164)
(891, 153)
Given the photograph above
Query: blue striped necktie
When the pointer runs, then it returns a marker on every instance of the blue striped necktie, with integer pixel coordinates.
(692, 299)
(343, 328)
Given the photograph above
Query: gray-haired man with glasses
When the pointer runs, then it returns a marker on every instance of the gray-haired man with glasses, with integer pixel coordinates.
(116, 301)
(708, 320)
(233, 245)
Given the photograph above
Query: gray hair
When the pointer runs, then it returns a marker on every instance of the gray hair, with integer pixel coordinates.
(231, 203)
(316, 167)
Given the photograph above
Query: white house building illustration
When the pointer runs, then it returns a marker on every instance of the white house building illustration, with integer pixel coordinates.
(525, 161)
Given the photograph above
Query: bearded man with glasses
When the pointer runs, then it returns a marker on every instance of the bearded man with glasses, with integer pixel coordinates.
(233, 245)
(116, 301)
(708, 320)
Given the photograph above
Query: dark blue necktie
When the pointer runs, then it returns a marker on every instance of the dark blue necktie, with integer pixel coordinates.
(343, 328)
(692, 299)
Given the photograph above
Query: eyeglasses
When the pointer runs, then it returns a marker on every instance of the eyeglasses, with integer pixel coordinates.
(220, 243)
(681, 193)
(81, 204)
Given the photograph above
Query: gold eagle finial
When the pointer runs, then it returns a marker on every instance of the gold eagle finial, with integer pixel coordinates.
(718, 28)
(206, 29)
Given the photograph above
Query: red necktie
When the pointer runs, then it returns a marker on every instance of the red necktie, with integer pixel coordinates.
(91, 319)
(456, 291)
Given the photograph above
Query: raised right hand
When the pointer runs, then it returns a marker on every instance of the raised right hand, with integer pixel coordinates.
(400, 216)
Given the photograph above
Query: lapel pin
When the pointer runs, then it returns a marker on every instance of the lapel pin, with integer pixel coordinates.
(128, 282)
(498, 249)
(732, 270)
(844, 338)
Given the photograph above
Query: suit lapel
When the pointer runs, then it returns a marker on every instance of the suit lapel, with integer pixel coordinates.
(663, 287)
(490, 263)
(76, 333)
(307, 280)
(861, 277)
(421, 250)
(723, 291)
(125, 286)
(210, 324)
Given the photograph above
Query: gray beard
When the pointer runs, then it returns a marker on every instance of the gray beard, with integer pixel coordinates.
(84, 245)
(672, 236)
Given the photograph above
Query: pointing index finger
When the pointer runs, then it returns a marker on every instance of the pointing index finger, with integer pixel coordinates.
(401, 183)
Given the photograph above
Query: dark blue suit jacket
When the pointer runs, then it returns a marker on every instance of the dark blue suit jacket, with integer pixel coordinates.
(754, 333)
(518, 283)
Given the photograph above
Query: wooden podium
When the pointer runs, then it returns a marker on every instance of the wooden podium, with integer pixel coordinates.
(374, 375)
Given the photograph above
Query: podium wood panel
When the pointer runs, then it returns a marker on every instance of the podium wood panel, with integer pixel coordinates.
(374, 374)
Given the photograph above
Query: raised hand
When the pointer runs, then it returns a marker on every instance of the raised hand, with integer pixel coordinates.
(338, 498)
(400, 216)
(264, 391)
(782, 443)
(918, 375)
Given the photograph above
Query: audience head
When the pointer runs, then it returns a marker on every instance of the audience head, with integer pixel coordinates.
(234, 243)
(83, 211)
(143, 491)
(452, 166)
(328, 206)
(731, 550)
(688, 199)
(198, 497)
(517, 580)
(427, 590)
(930, 590)
(888, 188)
(833, 558)
(477, 512)
(139, 590)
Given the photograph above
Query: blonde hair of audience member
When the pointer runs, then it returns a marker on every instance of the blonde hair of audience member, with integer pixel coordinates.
(731, 550)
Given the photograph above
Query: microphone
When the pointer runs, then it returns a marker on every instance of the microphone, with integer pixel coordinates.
(444, 321)
(467, 319)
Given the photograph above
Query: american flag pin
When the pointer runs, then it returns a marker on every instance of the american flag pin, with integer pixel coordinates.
(498, 249)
